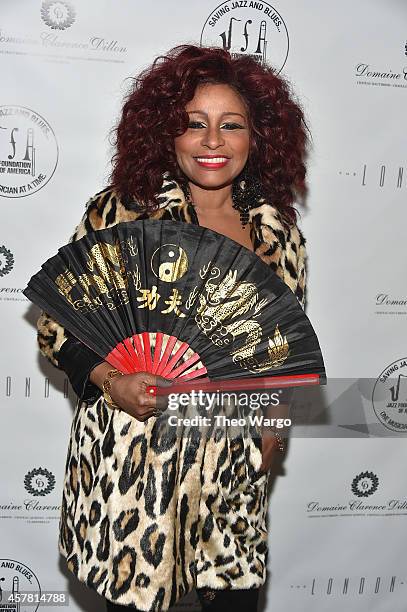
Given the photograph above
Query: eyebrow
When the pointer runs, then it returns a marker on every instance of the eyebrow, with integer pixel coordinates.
(200, 112)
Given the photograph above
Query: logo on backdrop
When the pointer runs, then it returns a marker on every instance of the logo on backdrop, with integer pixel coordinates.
(344, 585)
(379, 75)
(6, 261)
(365, 484)
(16, 577)
(383, 176)
(389, 397)
(20, 386)
(58, 15)
(389, 304)
(39, 482)
(28, 151)
(54, 41)
(250, 28)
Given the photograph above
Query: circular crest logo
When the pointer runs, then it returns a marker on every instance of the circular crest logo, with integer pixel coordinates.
(39, 482)
(389, 396)
(16, 577)
(28, 151)
(244, 27)
(6, 261)
(365, 484)
(58, 15)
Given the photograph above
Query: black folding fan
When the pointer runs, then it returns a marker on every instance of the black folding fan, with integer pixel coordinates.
(178, 300)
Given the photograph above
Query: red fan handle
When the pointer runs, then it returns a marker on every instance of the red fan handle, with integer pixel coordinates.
(244, 384)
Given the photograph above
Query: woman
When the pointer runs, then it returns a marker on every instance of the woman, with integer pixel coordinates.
(214, 140)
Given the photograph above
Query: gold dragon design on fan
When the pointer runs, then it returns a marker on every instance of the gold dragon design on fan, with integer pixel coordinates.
(219, 316)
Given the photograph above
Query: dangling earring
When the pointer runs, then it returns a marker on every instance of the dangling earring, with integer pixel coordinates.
(245, 192)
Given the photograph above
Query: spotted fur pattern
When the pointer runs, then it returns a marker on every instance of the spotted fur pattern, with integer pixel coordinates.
(146, 517)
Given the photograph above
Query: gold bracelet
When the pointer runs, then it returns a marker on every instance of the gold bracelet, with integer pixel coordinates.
(107, 386)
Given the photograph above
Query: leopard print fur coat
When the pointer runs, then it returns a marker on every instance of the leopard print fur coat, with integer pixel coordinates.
(144, 521)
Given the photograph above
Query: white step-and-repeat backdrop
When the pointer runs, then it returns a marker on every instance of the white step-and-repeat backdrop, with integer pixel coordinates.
(338, 505)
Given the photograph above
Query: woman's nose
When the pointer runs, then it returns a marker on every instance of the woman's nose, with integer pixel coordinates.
(213, 138)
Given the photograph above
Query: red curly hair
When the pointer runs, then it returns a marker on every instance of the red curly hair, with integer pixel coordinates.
(154, 114)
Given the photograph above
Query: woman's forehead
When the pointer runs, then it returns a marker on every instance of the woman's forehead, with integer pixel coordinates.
(221, 98)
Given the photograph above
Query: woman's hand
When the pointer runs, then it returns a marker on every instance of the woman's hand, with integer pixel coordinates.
(129, 393)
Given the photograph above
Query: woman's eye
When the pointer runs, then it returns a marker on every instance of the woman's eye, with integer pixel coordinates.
(232, 126)
(226, 126)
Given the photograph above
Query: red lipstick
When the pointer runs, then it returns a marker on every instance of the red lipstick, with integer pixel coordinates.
(212, 162)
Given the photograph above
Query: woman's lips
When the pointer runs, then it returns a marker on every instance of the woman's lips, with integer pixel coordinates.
(213, 163)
